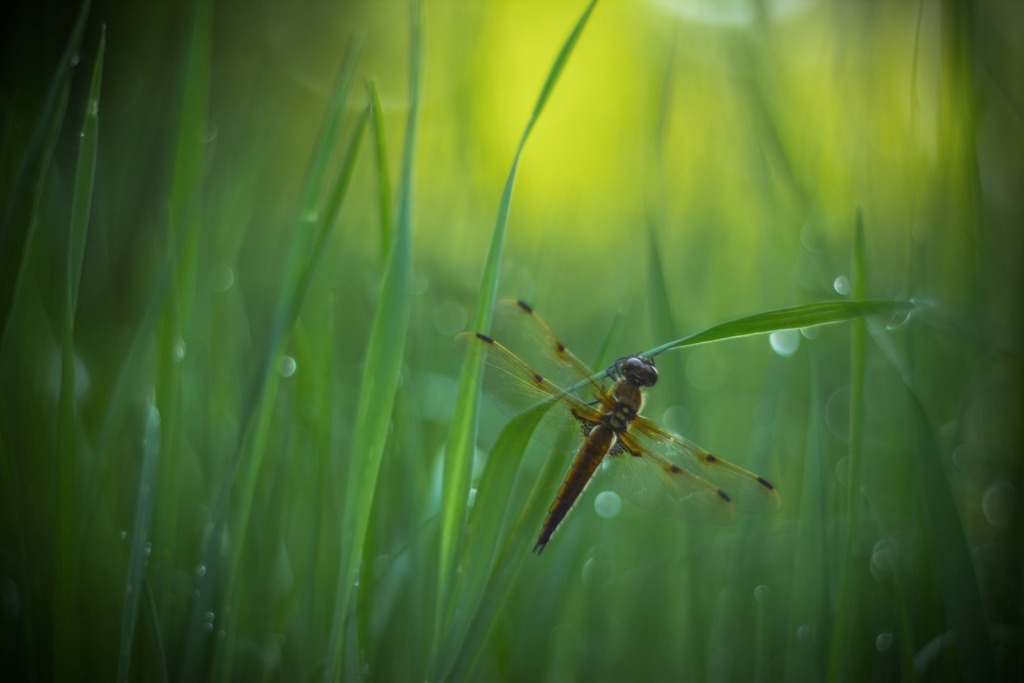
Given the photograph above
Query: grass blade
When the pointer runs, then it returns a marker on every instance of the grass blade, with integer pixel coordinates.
(952, 556)
(67, 560)
(383, 363)
(485, 524)
(140, 545)
(259, 443)
(842, 618)
(255, 420)
(383, 179)
(461, 445)
(20, 221)
(805, 315)
(809, 600)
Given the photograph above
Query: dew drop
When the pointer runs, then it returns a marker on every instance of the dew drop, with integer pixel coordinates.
(784, 342)
(75, 59)
(803, 632)
(147, 549)
(179, 350)
(842, 284)
(811, 332)
(998, 503)
(200, 570)
(472, 497)
(883, 641)
(208, 616)
(607, 504)
(842, 469)
(286, 366)
(762, 592)
(123, 534)
(208, 627)
(450, 318)
(222, 278)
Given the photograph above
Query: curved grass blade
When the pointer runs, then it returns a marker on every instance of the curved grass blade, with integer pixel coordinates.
(485, 524)
(841, 622)
(258, 407)
(461, 445)
(383, 363)
(20, 220)
(140, 545)
(67, 560)
(805, 315)
(383, 180)
(518, 540)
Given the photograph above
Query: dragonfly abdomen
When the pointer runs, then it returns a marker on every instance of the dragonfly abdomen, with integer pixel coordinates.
(586, 462)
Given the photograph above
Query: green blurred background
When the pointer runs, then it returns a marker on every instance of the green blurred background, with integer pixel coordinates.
(697, 161)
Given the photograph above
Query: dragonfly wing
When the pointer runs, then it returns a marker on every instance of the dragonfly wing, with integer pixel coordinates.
(525, 333)
(654, 483)
(515, 387)
(747, 490)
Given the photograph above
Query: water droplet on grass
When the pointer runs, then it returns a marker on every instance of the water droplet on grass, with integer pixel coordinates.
(286, 366)
(843, 469)
(75, 59)
(200, 570)
(803, 632)
(883, 642)
(450, 318)
(472, 497)
(762, 593)
(607, 504)
(842, 284)
(998, 503)
(784, 342)
(179, 350)
(208, 616)
(147, 549)
(811, 332)
(208, 627)
(222, 279)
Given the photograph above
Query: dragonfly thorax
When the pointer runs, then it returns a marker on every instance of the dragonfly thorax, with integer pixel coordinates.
(628, 401)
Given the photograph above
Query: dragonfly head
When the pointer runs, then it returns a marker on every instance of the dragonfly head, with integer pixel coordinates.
(638, 370)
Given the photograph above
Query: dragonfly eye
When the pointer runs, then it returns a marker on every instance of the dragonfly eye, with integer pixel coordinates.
(639, 371)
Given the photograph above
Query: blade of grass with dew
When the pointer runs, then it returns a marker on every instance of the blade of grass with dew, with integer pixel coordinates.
(906, 639)
(954, 566)
(961, 595)
(458, 462)
(154, 625)
(516, 544)
(794, 317)
(858, 271)
(66, 559)
(808, 598)
(328, 219)
(486, 518)
(383, 364)
(186, 193)
(140, 545)
(22, 212)
(258, 407)
(383, 179)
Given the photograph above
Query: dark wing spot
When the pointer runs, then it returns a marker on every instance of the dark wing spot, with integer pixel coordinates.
(711, 458)
(676, 469)
(724, 496)
(764, 482)
(525, 306)
(558, 345)
(484, 337)
(538, 379)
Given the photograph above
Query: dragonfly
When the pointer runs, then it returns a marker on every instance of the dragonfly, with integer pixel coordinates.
(641, 460)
